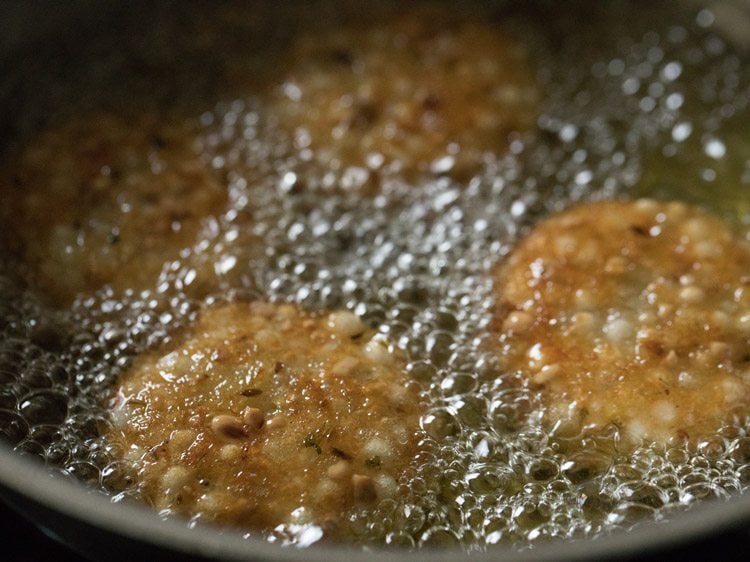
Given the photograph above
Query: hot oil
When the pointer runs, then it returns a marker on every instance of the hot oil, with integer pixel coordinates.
(414, 260)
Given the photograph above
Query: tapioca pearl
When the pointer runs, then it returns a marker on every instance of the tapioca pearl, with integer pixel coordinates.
(328, 348)
(664, 411)
(719, 350)
(286, 312)
(617, 222)
(687, 279)
(518, 321)
(676, 211)
(345, 367)
(583, 322)
(345, 324)
(733, 389)
(618, 329)
(386, 485)
(648, 206)
(651, 293)
(707, 250)
(212, 502)
(647, 317)
(585, 300)
(179, 441)
(691, 294)
(399, 395)
(689, 318)
(704, 359)
(340, 470)
(637, 429)
(229, 453)
(546, 374)
(698, 229)
(378, 448)
(377, 349)
(743, 323)
(175, 477)
(587, 252)
(267, 337)
(399, 435)
(308, 456)
(671, 358)
(511, 94)
(134, 453)
(307, 323)
(687, 379)
(616, 265)
(662, 376)
(326, 488)
(665, 310)
(277, 423)
(170, 361)
(258, 323)
(570, 221)
(720, 319)
(263, 310)
(565, 246)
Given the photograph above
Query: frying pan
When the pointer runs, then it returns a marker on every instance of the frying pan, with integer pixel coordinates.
(90, 523)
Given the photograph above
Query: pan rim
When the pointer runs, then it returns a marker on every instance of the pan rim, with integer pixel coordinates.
(34, 481)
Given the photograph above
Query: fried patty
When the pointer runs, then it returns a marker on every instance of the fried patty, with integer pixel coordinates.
(268, 417)
(106, 200)
(428, 91)
(631, 313)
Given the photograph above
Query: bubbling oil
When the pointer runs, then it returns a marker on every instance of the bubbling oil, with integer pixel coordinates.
(414, 260)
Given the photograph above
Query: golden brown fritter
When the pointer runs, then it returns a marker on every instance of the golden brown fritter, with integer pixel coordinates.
(631, 313)
(106, 200)
(265, 415)
(428, 90)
